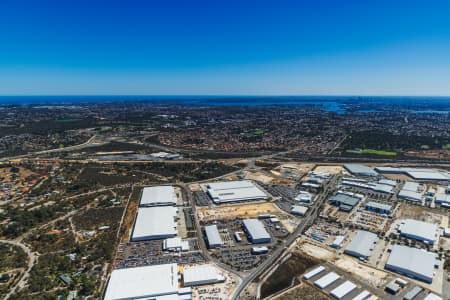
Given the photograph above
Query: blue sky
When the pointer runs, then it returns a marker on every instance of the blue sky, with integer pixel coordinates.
(225, 47)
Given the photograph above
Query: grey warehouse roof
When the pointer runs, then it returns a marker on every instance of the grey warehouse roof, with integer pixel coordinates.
(155, 223)
(143, 282)
(377, 205)
(213, 236)
(361, 244)
(256, 229)
(232, 191)
(360, 170)
(412, 261)
(158, 195)
(419, 229)
(344, 199)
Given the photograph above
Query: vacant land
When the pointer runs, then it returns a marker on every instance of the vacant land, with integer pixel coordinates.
(302, 291)
(287, 273)
(93, 218)
(11, 257)
(230, 212)
(422, 214)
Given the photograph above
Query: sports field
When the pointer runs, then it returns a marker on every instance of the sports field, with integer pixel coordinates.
(378, 152)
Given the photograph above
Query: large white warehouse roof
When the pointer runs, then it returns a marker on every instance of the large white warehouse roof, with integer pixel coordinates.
(419, 230)
(412, 262)
(157, 222)
(432, 296)
(362, 243)
(410, 195)
(232, 191)
(343, 289)
(314, 272)
(199, 275)
(326, 280)
(256, 230)
(363, 295)
(411, 186)
(213, 236)
(143, 282)
(158, 195)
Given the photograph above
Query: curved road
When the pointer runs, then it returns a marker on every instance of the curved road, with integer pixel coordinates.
(31, 260)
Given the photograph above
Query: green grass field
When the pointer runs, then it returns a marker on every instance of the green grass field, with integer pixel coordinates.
(259, 132)
(378, 152)
(446, 146)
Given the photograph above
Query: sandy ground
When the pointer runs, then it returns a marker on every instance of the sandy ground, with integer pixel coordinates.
(258, 177)
(422, 214)
(181, 225)
(317, 252)
(290, 224)
(445, 243)
(230, 212)
(329, 169)
(195, 187)
(372, 276)
(297, 168)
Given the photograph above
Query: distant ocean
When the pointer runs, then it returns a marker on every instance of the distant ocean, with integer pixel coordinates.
(328, 103)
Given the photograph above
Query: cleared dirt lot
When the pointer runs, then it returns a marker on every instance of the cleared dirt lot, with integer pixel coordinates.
(372, 276)
(332, 169)
(422, 214)
(231, 212)
(317, 252)
(258, 177)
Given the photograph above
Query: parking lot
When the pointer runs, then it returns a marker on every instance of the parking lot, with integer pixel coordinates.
(138, 254)
(240, 259)
(201, 198)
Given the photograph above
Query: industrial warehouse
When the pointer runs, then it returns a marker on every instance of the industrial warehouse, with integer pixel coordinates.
(378, 207)
(419, 174)
(345, 201)
(158, 196)
(342, 290)
(361, 245)
(157, 214)
(213, 237)
(418, 230)
(360, 170)
(234, 191)
(152, 282)
(256, 231)
(154, 223)
(412, 262)
(201, 275)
